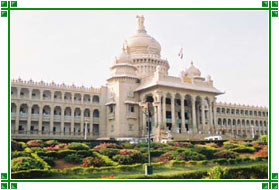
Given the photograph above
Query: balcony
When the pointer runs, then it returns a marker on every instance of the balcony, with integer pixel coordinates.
(35, 116)
(23, 115)
(67, 118)
(77, 118)
(57, 117)
(13, 115)
(111, 115)
(46, 117)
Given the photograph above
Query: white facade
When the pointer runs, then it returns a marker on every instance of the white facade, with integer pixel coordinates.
(183, 106)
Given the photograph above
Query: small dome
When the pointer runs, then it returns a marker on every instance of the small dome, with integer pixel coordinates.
(123, 58)
(141, 42)
(192, 71)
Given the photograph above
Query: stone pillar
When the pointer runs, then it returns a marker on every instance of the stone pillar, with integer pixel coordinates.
(214, 115)
(17, 119)
(72, 121)
(160, 112)
(82, 122)
(40, 119)
(91, 123)
(29, 118)
(210, 117)
(183, 128)
(18, 92)
(194, 120)
(173, 128)
(204, 128)
(51, 120)
(62, 121)
(164, 112)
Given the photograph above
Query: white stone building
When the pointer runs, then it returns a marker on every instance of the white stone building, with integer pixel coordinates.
(183, 106)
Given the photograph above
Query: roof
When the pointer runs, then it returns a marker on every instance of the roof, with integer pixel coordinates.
(175, 82)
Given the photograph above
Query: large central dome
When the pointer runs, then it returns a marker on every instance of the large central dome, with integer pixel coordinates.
(141, 42)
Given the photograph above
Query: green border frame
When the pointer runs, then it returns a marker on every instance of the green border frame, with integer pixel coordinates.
(270, 6)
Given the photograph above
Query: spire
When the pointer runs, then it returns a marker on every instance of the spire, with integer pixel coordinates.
(141, 27)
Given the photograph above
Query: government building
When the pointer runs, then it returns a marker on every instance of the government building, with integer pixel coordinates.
(183, 107)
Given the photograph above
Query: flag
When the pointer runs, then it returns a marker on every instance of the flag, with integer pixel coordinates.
(180, 54)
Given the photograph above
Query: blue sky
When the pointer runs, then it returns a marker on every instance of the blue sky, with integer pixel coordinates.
(79, 47)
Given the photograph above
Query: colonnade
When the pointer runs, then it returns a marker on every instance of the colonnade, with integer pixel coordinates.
(182, 113)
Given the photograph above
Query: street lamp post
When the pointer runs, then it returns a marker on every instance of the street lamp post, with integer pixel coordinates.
(147, 112)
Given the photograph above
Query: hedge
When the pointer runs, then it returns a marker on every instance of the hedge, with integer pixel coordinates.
(257, 171)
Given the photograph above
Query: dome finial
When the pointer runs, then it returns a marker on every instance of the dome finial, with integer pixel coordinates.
(141, 27)
(192, 63)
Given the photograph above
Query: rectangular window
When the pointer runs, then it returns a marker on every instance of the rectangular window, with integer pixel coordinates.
(168, 101)
(131, 108)
(111, 109)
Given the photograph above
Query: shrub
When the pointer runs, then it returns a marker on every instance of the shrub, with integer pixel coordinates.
(123, 159)
(181, 144)
(35, 143)
(36, 149)
(166, 157)
(85, 153)
(73, 158)
(49, 160)
(263, 139)
(61, 146)
(220, 161)
(217, 173)
(244, 149)
(129, 157)
(16, 154)
(108, 145)
(206, 151)
(106, 159)
(25, 163)
(262, 152)
(61, 153)
(156, 153)
(127, 145)
(51, 142)
(78, 146)
(93, 161)
(110, 152)
(17, 145)
(225, 154)
(257, 171)
(187, 155)
(230, 145)
(261, 158)
(213, 145)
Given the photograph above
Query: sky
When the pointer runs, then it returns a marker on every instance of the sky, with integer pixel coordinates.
(79, 47)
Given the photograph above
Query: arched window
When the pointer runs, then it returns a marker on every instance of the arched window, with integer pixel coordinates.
(86, 112)
(96, 113)
(68, 111)
(57, 111)
(35, 109)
